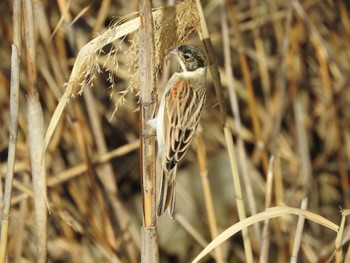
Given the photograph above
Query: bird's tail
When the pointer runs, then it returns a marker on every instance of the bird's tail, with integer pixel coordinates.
(167, 193)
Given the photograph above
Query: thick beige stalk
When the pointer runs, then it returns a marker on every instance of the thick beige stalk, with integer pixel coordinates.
(149, 240)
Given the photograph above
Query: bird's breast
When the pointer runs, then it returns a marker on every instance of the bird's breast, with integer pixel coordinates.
(176, 89)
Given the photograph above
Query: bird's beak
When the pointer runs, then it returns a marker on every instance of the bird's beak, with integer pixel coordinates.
(175, 52)
(172, 51)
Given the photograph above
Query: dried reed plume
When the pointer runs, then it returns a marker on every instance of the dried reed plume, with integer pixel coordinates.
(172, 25)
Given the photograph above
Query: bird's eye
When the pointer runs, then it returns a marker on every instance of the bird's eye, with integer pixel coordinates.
(186, 56)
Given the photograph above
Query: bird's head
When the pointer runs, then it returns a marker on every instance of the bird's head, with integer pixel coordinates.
(189, 57)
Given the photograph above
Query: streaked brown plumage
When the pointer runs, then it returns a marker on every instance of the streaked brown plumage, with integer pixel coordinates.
(178, 118)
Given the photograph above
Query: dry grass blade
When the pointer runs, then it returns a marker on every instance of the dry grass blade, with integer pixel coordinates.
(266, 215)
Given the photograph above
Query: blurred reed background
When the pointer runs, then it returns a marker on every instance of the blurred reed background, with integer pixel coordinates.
(284, 67)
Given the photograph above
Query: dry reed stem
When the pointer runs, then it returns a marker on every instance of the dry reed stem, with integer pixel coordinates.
(103, 217)
(276, 24)
(337, 144)
(30, 46)
(44, 33)
(347, 256)
(35, 140)
(14, 97)
(262, 62)
(298, 233)
(265, 244)
(182, 221)
(204, 35)
(309, 252)
(278, 182)
(281, 80)
(208, 198)
(304, 151)
(35, 137)
(252, 102)
(72, 173)
(281, 83)
(300, 10)
(147, 86)
(102, 15)
(339, 238)
(23, 212)
(67, 231)
(266, 215)
(242, 156)
(108, 175)
(77, 170)
(13, 126)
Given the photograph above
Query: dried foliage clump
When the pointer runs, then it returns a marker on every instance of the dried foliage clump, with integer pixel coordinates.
(284, 71)
(172, 26)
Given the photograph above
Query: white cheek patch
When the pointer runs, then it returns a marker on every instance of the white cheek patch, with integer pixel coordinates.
(182, 65)
(197, 74)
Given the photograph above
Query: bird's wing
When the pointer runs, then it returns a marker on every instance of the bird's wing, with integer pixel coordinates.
(183, 106)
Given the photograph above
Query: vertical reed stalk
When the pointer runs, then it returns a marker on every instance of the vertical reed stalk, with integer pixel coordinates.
(108, 176)
(13, 126)
(201, 156)
(35, 138)
(322, 57)
(242, 156)
(298, 233)
(149, 240)
(268, 199)
(20, 227)
(282, 78)
(204, 35)
(339, 239)
(262, 62)
(252, 103)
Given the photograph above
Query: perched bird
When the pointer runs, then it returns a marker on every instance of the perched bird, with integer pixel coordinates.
(178, 118)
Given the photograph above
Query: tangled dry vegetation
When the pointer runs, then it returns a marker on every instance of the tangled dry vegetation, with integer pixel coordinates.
(284, 68)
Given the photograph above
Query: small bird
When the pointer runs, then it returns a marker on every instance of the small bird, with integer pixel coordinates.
(178, 118)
